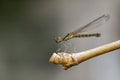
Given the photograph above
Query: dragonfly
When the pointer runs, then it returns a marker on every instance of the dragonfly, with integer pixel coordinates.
(91, 25)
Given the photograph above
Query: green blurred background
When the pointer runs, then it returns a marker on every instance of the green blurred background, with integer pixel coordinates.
(28, 29)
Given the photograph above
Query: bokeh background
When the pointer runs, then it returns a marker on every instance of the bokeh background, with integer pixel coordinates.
(28, 29)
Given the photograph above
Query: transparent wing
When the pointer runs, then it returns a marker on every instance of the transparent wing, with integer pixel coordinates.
(95, 23)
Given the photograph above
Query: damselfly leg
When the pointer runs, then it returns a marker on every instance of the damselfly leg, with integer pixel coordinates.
(66, 46)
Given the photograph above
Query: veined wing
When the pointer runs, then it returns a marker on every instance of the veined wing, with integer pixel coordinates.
(95, 23)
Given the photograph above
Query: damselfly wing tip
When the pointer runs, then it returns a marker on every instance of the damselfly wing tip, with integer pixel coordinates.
(106, 17)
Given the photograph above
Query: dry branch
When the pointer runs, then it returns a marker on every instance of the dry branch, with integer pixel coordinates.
(68, 60)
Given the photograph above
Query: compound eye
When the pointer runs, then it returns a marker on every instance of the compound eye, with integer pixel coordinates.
(58, 39)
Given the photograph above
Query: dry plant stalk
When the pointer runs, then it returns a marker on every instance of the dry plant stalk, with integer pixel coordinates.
(68, 60)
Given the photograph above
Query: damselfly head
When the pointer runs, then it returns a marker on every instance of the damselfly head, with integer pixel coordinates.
(58, 39)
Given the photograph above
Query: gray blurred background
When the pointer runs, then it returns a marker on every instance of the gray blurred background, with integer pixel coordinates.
(28, 29)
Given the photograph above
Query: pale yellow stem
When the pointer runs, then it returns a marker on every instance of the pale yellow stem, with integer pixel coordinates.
(68, 60)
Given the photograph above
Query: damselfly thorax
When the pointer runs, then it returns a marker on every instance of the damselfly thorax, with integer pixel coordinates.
(93, 24)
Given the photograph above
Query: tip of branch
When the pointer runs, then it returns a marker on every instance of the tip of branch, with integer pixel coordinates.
(64, 59)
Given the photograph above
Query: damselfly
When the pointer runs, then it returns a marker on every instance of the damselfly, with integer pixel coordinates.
(95, 23)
